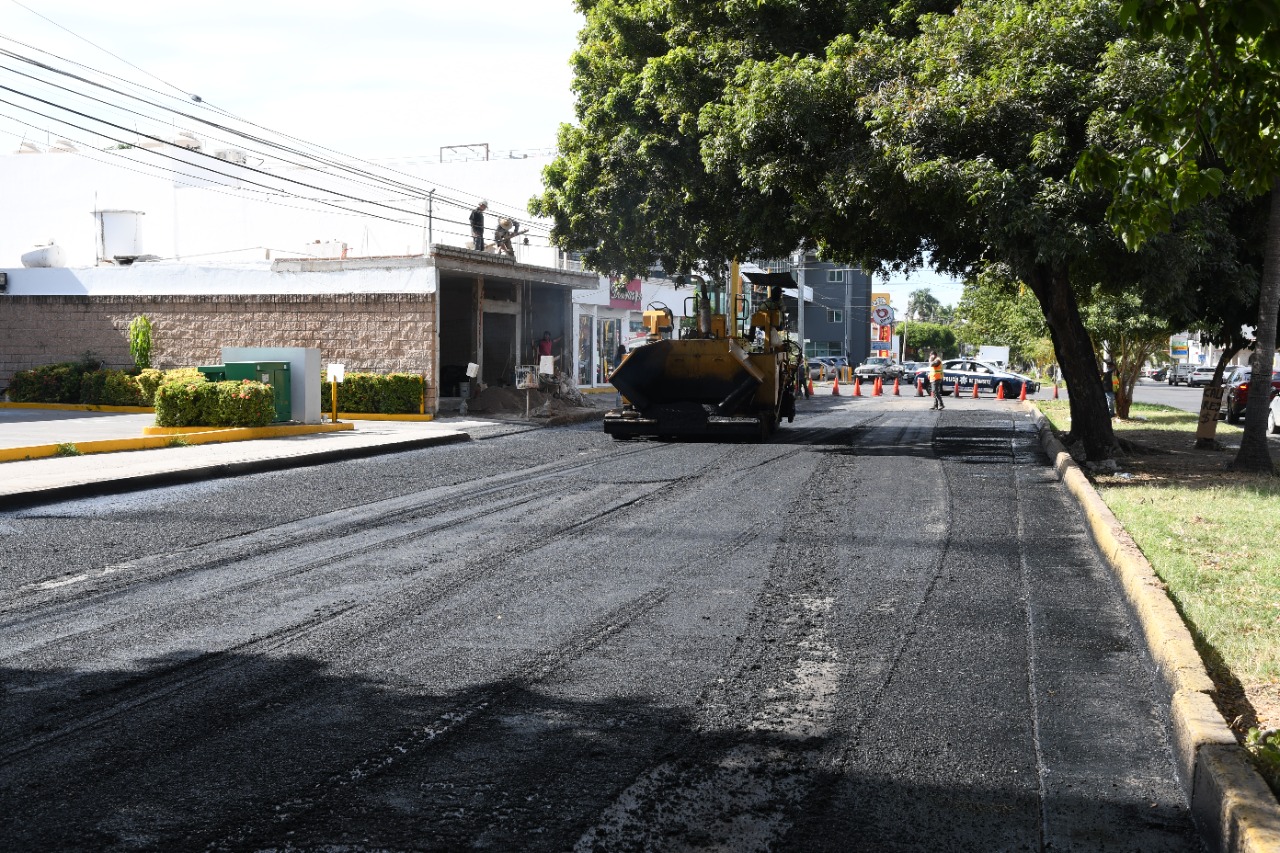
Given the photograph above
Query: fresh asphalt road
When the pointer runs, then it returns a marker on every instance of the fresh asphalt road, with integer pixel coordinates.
(883, 630)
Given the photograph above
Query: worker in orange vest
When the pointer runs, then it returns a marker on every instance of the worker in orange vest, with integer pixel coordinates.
(935, 378)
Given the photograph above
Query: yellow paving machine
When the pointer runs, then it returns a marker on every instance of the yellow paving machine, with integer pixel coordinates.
(728, 375)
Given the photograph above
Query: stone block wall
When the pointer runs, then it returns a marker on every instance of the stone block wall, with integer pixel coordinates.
(375, 332)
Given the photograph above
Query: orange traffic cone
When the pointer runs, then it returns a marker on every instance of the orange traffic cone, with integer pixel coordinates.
(1022, 395)
(1055, 390)
(810, 386)
(999, 391)
(975, 391)
(877, 388)
(896, 380)
(835, 385)
(919, 387)
(857, 386)
(956, 392)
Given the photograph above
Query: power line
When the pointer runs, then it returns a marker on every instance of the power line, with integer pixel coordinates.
(419, 192)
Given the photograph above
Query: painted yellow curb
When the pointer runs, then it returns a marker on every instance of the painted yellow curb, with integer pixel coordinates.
(1228, 797)
(114, 445)
(80, 407)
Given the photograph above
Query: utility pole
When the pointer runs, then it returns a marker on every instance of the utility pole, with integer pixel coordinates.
(430, 235)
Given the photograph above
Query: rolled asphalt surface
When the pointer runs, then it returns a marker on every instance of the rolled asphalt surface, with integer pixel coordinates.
(1231, 801)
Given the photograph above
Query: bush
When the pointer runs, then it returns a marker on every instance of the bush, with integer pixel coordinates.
(52, 383)
(180, 403)
(244, 404)
(194, 401)
(148, 381)
(110, 388)
(376, 393)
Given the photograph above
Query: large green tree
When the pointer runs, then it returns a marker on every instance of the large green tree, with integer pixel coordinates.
(1214, 125)
(879, 132)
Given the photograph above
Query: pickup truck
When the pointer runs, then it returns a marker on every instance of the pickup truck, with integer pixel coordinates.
(1179, 374)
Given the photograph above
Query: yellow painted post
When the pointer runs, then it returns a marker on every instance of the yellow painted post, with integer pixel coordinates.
(422, 396)
(735, 290)
(333, 385)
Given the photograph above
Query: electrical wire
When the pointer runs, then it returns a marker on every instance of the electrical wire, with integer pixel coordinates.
(416, 190)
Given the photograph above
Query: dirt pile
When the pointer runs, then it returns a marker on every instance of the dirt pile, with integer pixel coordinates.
(506, 401)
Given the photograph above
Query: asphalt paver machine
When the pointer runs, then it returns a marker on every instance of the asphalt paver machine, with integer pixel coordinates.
(728, 375)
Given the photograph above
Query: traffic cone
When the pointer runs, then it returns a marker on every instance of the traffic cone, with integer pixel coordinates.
(1022, 395)
(975, 391)
(999, 391)
(876, 388)
(857, 386)
(896, 380)
(835, 386)
(956, 392)
(919, 387)
(810, 386)
(1055, 390)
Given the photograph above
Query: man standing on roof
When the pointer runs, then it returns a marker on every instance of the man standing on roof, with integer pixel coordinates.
(477, 225)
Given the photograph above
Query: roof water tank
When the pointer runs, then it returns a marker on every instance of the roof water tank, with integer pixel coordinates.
(62, 146)
(119, 235)
(44, 256)
(187, 139)
(232, 155)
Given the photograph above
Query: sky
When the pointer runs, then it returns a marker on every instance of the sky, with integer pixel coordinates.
(374, 79)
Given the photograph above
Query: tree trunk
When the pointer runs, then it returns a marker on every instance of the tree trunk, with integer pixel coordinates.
(1254, 454)
(1211, 404)
(1090, 419)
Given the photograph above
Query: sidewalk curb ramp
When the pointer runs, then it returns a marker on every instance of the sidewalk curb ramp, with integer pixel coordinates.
(1234, 808)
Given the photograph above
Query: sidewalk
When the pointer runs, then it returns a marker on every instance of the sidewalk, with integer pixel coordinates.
(34, 481)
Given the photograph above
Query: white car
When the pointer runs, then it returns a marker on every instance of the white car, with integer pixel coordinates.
(1273, 415)
(1202, 375)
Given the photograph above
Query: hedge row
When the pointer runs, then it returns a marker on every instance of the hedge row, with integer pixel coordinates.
(375, 393)
(195, 401)
(80, 382)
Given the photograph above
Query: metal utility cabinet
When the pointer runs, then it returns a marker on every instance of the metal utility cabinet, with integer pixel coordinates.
(273, 373)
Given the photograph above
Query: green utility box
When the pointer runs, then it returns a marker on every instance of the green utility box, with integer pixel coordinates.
(273, 373)
(214, 372)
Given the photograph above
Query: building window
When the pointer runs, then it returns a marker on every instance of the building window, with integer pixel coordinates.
(835, 276)
(835, 316)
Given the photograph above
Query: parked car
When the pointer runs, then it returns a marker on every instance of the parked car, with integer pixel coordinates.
(988, 377)
(912, 369)
(1179, 374)
(1237, 396)
(1273, 416)
(824, 366)
(878, 365)
(1159, 374)
(1201, 376)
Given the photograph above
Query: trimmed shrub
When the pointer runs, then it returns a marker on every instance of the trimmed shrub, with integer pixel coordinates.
(198, 402)
(179, 403)
(375, 393)
(148, 381)
(244, 404)
(110, 388)
(52, 383)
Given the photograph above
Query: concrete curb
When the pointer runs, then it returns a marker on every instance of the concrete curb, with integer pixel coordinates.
(81, 407)
(1236, 811)
(219, 470)
(158, 440)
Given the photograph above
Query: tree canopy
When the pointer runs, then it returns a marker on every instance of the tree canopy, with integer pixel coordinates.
(878, 132)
